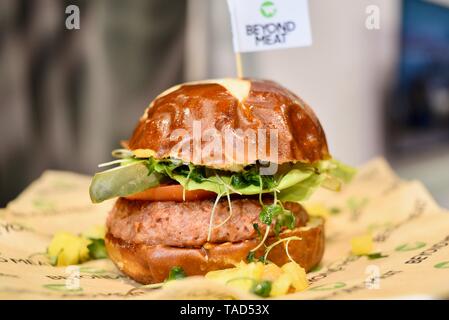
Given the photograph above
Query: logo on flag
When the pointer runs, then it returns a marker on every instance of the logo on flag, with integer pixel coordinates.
(267, 9)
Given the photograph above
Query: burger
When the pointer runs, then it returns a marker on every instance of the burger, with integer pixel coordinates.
(214, 174)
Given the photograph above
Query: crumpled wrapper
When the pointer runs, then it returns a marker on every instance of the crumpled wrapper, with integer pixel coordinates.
(410, 231)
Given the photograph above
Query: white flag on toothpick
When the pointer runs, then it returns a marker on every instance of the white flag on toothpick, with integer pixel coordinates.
(269, 24)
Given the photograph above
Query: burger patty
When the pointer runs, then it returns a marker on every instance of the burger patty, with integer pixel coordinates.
(186, 224)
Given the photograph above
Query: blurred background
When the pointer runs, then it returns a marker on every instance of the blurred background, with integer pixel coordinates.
(67, 97)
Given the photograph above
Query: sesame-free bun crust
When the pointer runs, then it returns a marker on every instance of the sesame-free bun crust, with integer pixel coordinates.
(230, 106)
(151, 264)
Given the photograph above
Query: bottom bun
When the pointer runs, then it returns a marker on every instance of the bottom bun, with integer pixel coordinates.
(152, 264)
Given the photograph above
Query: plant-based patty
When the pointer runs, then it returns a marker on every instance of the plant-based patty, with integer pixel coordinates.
(185, 224)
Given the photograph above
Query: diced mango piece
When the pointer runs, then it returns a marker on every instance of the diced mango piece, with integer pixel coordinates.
(362, 245)
(69, 255)
(83, 249)
(244, 276)
(281, 285)
(68, 249)
(253, 270)
(297, 275)
(58, 242)
(271, 272)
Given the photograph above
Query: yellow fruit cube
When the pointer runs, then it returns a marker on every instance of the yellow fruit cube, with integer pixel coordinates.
(281, 285)
(58, 242)
(83, 249)
(271, 272)
(297, 275)
(68, 249)
(362, 245)
(253, 270)
(243, 276)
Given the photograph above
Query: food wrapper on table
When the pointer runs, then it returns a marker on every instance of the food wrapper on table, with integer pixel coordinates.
(410, 233)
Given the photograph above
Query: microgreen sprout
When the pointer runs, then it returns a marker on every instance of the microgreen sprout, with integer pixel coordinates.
(271, 246)
(211, 221)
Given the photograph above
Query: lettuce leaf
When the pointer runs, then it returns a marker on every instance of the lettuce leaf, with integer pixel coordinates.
(342, 171)
(330, 174)
(222, 184)
(301, 191)
(295, 182)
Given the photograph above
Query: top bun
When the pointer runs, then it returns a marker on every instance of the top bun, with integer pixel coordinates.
(229, 123)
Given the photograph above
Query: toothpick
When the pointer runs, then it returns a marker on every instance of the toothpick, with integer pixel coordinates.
(238, 63)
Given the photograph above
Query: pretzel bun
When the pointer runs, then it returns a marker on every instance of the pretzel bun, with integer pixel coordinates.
(152, 263)
(225, 108)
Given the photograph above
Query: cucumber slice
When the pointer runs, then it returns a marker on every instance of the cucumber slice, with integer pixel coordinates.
(122, 181)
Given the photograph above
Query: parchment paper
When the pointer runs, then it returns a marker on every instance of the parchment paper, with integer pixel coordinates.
(410, 230)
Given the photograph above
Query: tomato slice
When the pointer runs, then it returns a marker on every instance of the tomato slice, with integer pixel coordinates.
(173, 192)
